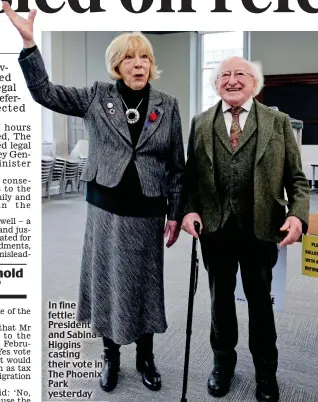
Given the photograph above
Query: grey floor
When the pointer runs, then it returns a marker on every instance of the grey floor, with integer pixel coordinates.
(297, 326)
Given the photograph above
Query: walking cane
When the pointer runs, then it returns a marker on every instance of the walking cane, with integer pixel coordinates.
(192, 291)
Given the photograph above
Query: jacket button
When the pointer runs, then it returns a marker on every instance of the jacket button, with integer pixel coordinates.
(234, 161)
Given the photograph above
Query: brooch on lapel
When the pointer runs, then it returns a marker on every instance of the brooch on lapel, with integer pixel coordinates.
(152, 117)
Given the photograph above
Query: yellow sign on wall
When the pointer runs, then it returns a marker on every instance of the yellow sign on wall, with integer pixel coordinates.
(310, 255)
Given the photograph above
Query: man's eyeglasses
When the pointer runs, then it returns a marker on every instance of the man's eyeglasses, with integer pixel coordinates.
(238, 75)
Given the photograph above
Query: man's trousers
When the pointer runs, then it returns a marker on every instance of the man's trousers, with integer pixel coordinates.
(222, 252)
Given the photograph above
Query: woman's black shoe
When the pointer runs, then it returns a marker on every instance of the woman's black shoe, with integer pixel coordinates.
(150, 375)
(109, 374)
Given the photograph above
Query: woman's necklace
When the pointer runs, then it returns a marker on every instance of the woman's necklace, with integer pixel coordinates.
(132, 115)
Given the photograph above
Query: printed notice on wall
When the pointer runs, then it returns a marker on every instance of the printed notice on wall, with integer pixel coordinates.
(310, 256)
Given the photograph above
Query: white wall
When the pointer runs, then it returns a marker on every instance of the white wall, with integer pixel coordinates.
(57, 68)
(47, 115)
(285, 52)
(78, 59)
(174, 55)
(97, 43)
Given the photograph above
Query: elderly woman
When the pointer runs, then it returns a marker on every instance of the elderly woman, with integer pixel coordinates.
(133, 174)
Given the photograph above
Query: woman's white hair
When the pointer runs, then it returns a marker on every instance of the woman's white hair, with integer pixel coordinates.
(257, 73)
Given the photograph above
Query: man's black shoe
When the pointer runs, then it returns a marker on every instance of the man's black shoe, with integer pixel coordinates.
(219, 382)
(267, 390)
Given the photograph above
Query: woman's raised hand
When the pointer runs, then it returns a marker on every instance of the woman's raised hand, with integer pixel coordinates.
(23, 25)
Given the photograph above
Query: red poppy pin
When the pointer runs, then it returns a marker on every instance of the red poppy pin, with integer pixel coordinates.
(153, 116)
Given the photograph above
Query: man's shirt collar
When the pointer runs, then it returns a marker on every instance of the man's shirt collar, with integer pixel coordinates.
(246, 106)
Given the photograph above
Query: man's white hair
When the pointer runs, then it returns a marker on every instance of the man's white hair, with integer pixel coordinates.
(257, 73)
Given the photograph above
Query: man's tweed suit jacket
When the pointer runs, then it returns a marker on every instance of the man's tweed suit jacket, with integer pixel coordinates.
(159, 153)
(277, 167)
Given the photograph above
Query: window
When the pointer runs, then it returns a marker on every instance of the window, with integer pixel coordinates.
(216, 46)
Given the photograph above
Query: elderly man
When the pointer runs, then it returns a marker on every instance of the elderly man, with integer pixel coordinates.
(241, 157)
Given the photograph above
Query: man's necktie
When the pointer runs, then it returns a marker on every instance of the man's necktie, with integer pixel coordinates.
(236, 131)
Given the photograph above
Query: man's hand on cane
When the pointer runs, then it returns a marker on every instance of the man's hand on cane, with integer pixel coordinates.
(188, 223)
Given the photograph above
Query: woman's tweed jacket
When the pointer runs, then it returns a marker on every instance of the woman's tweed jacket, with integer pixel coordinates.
(159, 153)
